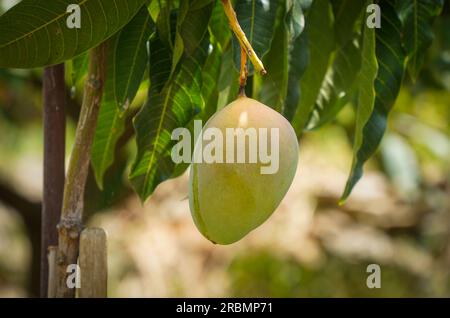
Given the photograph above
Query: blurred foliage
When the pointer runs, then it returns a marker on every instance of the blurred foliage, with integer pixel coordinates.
(263, 274)
(414, 158)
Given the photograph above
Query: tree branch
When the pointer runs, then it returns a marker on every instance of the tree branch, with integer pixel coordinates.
(70, 225)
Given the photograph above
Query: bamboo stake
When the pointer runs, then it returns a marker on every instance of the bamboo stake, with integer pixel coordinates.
(93, 263)
(52, 252)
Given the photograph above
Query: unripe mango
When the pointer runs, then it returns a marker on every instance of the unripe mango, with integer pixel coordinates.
(228, 200)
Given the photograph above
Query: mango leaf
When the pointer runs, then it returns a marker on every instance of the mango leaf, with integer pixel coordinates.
(164, 23)
(417, 17)
(111, 120)
(79, 67)
(195, 24)
(257, 20)
(319, 29)
(45, 38)
(168, 106)
(295, 20)
(210, 93)
(210, 79)
(347, 15)
(298, 54)
(372, 116)
(126, 62)
(192, 23)
(274, 84)
(154, 8)
(218, 25)
(337, 86)
(298, 59)
(131, 57)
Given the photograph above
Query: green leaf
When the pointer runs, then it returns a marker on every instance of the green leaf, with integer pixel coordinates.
(154, 8)
(218, 25)
(257, 20)
(110, 123)
(319, 29)
(131, 57)
(210, 77)
(79, 67)
(417, 17)
(298, 56)
(347, 15)
(45, 39)
(195, 24)
(274, 84)
(372, 115)
(337, 86)
(164, 23)
(298, 60)
(294, 19)
(126, 62)
(192, 23)
(168, 106)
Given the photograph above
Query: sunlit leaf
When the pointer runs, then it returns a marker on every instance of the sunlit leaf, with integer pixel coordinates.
(110, 123)
(34, 33)
(79, 67)
(372, 117)
(131, 58)
(320, 34)
(337, 86)
(219, 26)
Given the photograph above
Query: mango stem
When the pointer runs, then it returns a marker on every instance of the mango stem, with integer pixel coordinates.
(243, 73)
(242, 38)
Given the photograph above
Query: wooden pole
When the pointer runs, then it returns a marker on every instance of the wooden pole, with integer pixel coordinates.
(54, 100)
(93, 263)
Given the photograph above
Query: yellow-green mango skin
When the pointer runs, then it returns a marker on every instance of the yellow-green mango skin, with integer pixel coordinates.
(228, 200)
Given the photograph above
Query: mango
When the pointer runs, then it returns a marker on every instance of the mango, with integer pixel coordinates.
(228, 199)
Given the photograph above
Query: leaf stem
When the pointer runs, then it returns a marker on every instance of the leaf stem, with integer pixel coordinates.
(70, 225)
(242, 38)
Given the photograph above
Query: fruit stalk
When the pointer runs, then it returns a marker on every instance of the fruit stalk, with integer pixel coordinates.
(242, 38)
(243, 73)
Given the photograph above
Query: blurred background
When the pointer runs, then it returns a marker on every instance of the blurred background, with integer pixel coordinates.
(398, 216)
